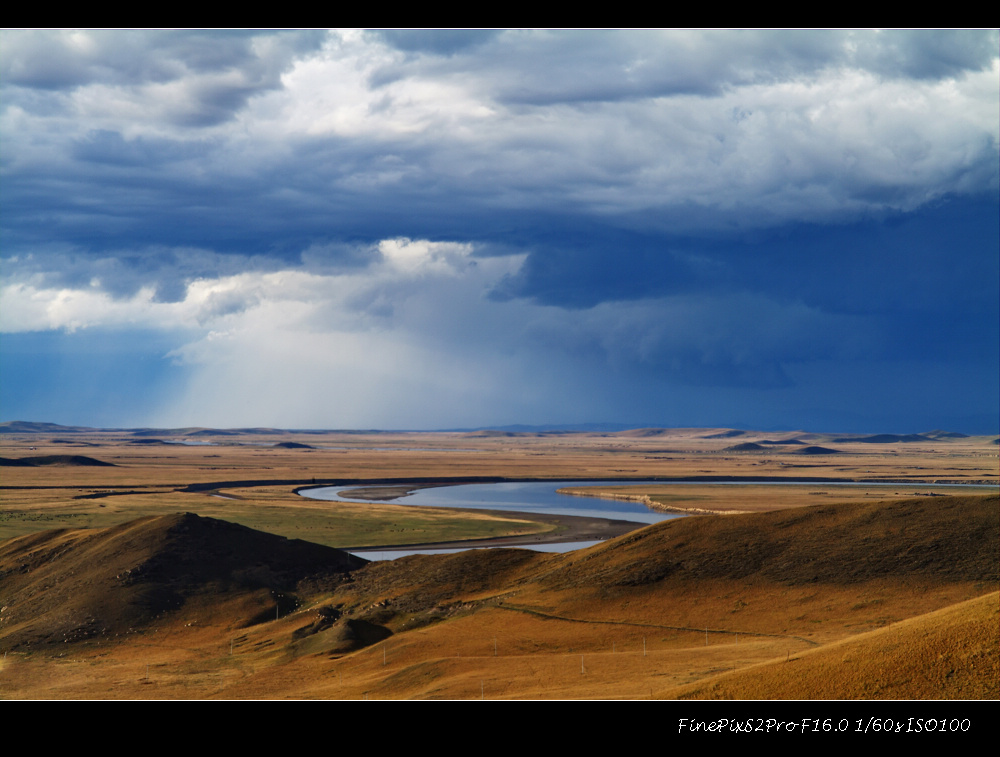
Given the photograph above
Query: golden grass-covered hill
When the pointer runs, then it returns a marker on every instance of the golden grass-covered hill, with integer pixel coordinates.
(952, 653)
(883, 600)
(68, 585)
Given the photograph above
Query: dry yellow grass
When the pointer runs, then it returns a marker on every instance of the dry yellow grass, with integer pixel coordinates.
(154, 479)
(513, 624)
(953, 653)
(719, 603)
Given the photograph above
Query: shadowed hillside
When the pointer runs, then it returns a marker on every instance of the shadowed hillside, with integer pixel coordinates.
(66, 585)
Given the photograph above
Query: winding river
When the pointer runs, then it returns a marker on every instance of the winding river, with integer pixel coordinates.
(515, 496)
(537, 497)
(541, 497)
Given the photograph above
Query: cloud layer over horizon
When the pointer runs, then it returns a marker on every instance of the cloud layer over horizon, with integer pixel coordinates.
(362, 229)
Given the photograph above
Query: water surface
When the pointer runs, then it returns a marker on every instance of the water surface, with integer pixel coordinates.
(541, 497)
(519, 496)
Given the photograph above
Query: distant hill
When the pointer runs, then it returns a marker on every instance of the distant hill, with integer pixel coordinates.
(884, 438)
(555, 428)
(815, 450)
(645, 433)
(163, 431)
(53, 460)
(746, 447)
(29, 427)
(35, 427)
(494, 433)
(938, 434)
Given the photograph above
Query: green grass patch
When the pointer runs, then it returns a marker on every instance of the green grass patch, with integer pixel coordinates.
(278, 512)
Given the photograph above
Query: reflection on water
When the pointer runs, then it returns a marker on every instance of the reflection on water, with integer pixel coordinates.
(520, 496)
(523, 496)
(541, 497)
(392, 554)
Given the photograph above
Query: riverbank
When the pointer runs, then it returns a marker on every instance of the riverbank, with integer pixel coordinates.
(735, 498)
(715, 496)
(645, 499)
(565, 529)
(555, 528)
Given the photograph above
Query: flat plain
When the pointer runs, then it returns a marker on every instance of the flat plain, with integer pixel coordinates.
(878, 591)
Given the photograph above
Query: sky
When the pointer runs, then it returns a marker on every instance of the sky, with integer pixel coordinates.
(418, 229)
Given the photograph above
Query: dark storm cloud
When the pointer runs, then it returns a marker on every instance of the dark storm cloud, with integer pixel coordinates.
(665, 221)
(216, 72)
(123, 272)
(642, 164)
(921, 54)
(436, 41)
(111, 148)
(546, 67)
(606, 67)
(898, 265)
(581, 267)
(69, 59)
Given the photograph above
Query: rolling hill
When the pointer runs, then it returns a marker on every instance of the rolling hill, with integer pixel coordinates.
(820, 602)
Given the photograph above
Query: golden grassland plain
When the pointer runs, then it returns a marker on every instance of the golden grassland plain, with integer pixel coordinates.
(152, 478)
(515, 624)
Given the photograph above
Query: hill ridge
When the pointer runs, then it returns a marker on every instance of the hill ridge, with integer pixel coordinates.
(77, 583)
